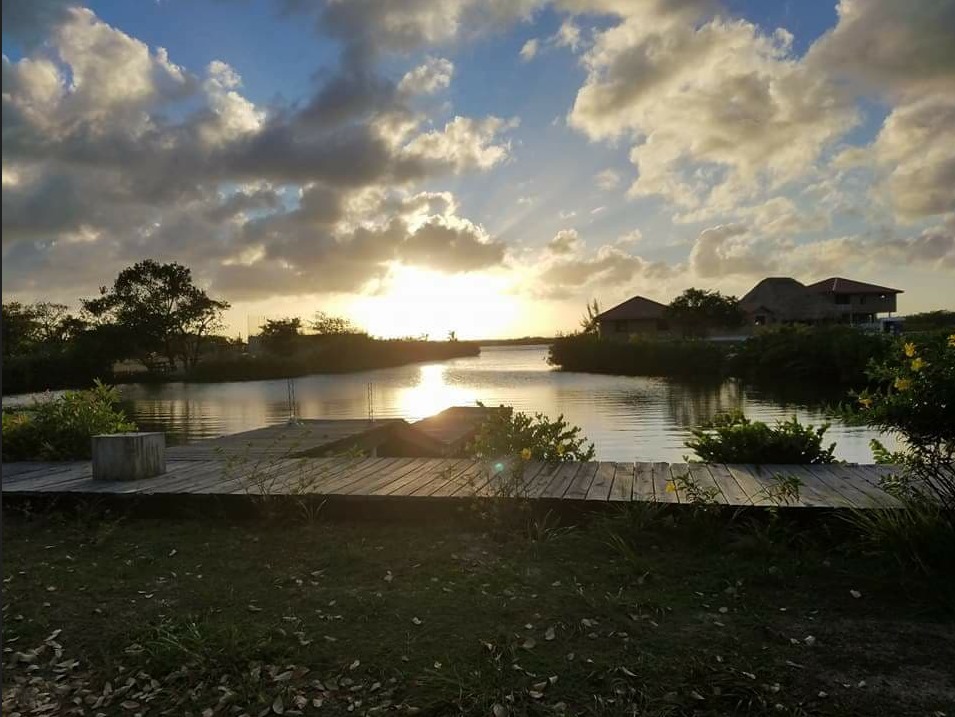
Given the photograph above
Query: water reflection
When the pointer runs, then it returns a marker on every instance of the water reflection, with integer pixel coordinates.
(628, 418)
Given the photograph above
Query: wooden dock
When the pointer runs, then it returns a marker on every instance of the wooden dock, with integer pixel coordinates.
(404, 479)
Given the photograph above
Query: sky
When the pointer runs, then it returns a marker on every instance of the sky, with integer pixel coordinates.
(478, 166)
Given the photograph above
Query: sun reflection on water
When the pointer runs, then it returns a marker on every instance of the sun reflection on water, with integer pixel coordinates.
(431, 394)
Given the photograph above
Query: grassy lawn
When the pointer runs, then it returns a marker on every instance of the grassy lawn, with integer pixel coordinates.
(638, 614)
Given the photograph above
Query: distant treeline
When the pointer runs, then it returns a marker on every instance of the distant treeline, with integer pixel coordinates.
(155, 319)
(829, 355)
(335, 354)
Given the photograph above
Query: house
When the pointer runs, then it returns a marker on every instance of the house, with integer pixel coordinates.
(780, 300)
(853, 302)
(636, 316)
(783, 300)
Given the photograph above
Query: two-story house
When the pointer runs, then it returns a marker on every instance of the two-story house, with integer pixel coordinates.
(853, 302)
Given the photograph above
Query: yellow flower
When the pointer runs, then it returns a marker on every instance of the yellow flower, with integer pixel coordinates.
(866, 402)
(903, 384)
(526, 454)
(560, 449)
(909, 349)
(951, 341)
(671, 487)
(918, 364)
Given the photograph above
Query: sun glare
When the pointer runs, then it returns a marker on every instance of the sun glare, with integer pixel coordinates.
(417, 301)
(432, 394)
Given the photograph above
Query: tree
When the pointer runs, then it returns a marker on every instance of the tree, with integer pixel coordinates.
(20, 328)
(161, 308)
(327, 325)
(588, 323)
(280, 336)
(697, 311)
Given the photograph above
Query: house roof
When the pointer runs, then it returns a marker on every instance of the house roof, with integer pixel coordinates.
(838, 285)
(638, 307)
(770, 291)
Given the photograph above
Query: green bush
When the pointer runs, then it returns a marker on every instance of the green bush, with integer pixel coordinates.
(59, 428)
(640, 357)
(838, 355)
(915, 398)
(733, 438)
(512, 433)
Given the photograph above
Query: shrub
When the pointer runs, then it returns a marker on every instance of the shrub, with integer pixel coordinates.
(640, 357)
(837, 355)
(60, 427)
(915, 398)
(733, 438)
(512, 433)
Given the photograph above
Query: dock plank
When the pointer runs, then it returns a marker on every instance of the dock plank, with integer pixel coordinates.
(700, 474)
(580, 485)
(562, 480)
(603, 482)
(643, 482)
(623, 478)
(660, 474)
(732, 490)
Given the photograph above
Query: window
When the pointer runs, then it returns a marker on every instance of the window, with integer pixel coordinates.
(842, 299)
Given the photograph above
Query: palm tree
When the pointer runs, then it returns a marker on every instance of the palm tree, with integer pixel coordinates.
(588, 323)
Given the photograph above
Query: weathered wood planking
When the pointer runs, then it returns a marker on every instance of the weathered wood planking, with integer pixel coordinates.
(829, 486)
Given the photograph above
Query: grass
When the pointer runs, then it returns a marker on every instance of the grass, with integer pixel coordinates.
(640, 613)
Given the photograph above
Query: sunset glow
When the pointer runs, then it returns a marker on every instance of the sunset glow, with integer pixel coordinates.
(415, 302)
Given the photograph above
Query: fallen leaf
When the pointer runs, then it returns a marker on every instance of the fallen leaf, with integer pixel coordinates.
(529, 644)
(855, 593)
(549, 634)
(498, 710)
(278, 707)
(354, 665)
(416, 621)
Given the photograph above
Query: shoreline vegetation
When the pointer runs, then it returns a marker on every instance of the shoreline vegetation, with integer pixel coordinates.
(823, 356)
(155, 325)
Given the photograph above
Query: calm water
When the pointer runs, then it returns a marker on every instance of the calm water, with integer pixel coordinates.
(628, 418)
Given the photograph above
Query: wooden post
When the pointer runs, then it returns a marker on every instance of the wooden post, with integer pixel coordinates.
(129, 456)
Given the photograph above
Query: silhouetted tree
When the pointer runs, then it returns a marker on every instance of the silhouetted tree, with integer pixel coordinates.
(696, 312)
(280, 336)
(161, 308)
(588, 323)
(327, 325)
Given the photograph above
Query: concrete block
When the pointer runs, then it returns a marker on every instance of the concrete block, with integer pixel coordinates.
(129, 456)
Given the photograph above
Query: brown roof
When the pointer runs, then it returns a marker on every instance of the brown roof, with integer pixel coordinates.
(638, 307)
(838, 285)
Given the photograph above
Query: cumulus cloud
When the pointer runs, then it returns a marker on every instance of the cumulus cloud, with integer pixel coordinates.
(915, 149)
(899, 49)
(567, 35)
(714, 110)
(728, 249)
(529, 49)
(567, 267)
(933, 248)
(104, 160)
(608, 179)
(566, 241)
(463, 144)
(426, 79)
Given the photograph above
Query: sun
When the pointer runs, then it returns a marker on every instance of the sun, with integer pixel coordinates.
(415, 302)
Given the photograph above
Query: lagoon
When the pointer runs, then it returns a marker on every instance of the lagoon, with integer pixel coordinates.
(628, 418)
